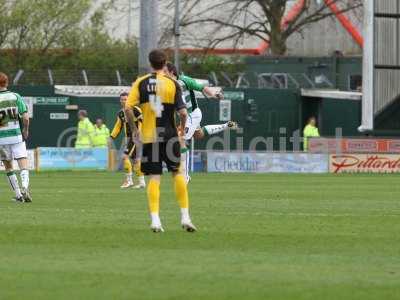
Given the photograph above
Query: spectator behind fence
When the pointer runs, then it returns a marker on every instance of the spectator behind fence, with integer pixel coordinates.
(84, 137)
(310, 131)
(101, 134)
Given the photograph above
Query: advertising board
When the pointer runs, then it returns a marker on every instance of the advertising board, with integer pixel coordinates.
(356, 145)
(259, 162)
(364, 163)
(71, 158)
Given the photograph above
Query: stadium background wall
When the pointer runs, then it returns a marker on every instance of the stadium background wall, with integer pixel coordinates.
(262, 112)
(336, 68)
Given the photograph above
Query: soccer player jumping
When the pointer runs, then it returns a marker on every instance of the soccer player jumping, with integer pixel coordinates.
(13, 112)
(160, 97)
(193, 127)
(130, 151)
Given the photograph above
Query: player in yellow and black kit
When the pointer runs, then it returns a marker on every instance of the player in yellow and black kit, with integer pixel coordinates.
(160, 97)
(130, 152)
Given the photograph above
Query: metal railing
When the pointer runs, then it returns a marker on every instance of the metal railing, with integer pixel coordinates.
(281, 80)
(72, 77)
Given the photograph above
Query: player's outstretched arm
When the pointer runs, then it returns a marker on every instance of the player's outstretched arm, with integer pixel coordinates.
(213, 92)
(209, 92)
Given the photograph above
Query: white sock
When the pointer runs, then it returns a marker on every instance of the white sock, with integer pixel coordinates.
(13, 180)
(214, 129)
(141, 180)
(24, 174)
(155, 219)
(129, 178)
(185, 217)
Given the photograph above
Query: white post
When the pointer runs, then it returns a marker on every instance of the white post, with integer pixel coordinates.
(368, 85)
(129, 19)
(148, 32)
(177, 35)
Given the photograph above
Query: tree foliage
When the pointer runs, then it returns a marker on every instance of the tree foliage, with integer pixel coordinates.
(52, 32)
(69, 35)
(234, 20)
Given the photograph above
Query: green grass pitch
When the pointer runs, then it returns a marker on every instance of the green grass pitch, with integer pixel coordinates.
(260, 237)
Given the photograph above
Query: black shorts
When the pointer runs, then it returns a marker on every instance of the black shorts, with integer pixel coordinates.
(155, 154)
(130, 149)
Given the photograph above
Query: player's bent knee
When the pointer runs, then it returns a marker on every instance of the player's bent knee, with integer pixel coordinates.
(22, 163)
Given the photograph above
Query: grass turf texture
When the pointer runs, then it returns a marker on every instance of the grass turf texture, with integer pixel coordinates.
(261, 237)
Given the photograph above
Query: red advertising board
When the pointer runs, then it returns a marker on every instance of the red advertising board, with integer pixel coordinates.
(394, 146)
(361, 146)
(346, 145)
(364, 163)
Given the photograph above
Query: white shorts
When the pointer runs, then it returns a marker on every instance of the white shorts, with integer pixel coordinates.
(13, 151)
(193, 123)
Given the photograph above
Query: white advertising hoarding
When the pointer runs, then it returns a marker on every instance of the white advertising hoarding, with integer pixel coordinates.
(263, 162)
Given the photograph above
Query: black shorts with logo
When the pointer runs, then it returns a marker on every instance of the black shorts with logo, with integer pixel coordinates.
(155, 154)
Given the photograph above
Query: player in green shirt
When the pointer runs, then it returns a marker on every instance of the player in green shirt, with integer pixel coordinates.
(193, 127)
(14, 130)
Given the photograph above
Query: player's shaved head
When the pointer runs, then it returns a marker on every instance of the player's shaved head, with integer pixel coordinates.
(3, 80)
(157, 59)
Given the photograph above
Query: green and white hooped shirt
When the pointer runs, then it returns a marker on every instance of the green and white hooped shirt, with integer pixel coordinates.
(11, 108)
(189, 85)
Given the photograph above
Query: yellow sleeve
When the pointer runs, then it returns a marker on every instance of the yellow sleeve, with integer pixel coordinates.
(117, 128)
(134, 96)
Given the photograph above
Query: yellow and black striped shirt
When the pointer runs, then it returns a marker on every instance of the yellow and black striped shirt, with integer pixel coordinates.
(159, 97)
(122, 123)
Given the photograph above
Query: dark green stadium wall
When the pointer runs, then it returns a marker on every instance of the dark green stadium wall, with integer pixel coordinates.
(264, 113)
(340, 114)
(278, 114)
(333, 114)
(387, 122)
(105, 108)
(46, 132)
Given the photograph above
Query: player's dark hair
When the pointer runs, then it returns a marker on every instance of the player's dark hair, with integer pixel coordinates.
(3, 80)
(172, 69)
(123, 94)
(157, 59)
